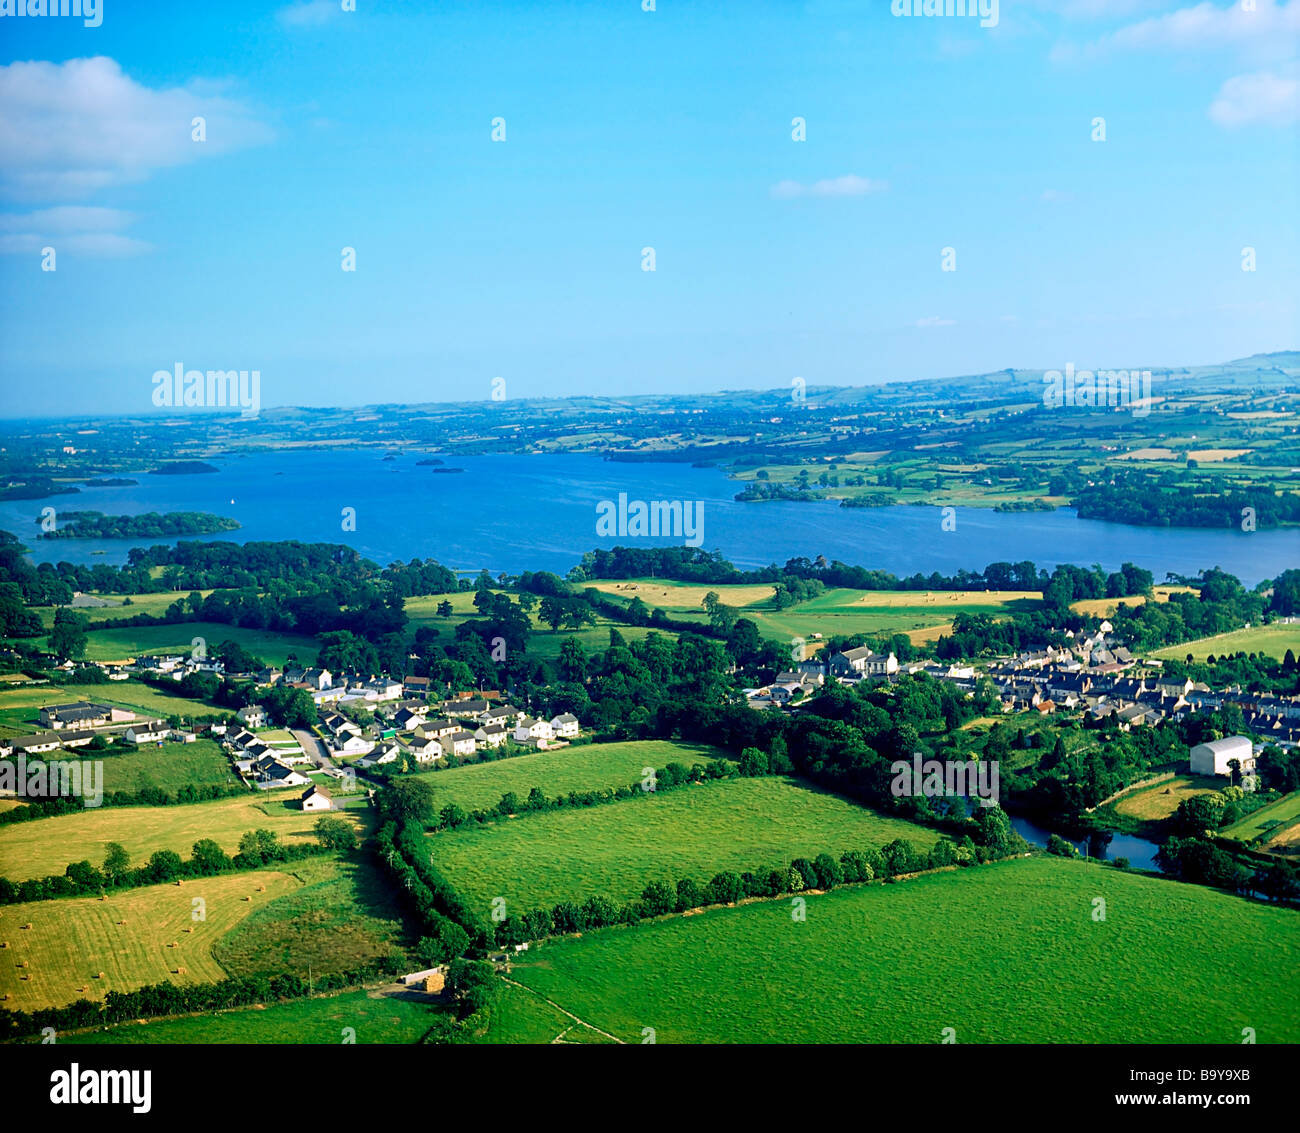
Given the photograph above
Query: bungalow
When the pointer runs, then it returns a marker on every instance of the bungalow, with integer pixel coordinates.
(253, 716)
(863, 662)
(340, 725)
(82, 714)
(272, 773)
(565, 726)
(382, 754)
(45, 741)
(407, 720)
(147, 733)
(316, 798)
(345, 743)
(459, 743)
(491, 735)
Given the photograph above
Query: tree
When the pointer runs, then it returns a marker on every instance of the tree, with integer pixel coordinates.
(573, 660)
(444, 609)
(407, 800)
(68, 637)
(164, 865)
(208, 857)
(116, 860)
(336, 833)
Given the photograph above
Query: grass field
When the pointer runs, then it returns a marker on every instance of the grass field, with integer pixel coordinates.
(588, 767)
(374, 1018)
(122, 644)
(694, 831)
(1004, 953)
(343, 916)
(169, 767)
(47, 845)
(74, 938)
(544, 642)
(19, 706)
(154, 605)
(1158, 802)
(918, 613)
(1280, 821)
(1273, 640)
(1104, 607)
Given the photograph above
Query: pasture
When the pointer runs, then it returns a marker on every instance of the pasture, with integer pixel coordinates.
(132, 641)
(19, 706)
(73, 939)
(694, 831)
(1160, 801)
(48, 845)
(1277, 826)
(588, 767)
(1273, 640)
(1005, 953)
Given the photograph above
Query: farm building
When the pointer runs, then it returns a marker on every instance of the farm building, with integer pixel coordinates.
(1213, 758)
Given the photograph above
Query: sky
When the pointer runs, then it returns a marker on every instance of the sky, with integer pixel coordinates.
(929, 142)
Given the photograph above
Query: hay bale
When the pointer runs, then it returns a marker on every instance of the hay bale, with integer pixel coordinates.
(121, 922)
(248, 898)
(28, 925)
(99, 975)
(181, 972)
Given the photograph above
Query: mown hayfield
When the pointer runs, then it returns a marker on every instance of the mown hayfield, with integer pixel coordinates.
(155, 605)
(1007, 953)
(521, 1016)
(837, 611)
(1104, 607)
(1276, 819)
(1273, 640)
(374, 1018)
(344, 915)
(122, 644)
(169, 766)
(694, 831)
(72, 939)
(588, 767)
(47, 845)
(1158, 802)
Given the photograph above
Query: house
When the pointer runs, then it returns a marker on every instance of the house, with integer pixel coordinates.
(383, 688)
(1213, 758)
(321, 696)
(82, 714)
(316, 798)
(491, 735)
(272, 773)
(382, 754)
(407, 719)
(147, 733)
(437, 729)
(459, 743)
(426, 749)
(565, 726)
(253, 716)
(529, 729)
(346, 743)
(415, 686)
(340, 726)
(44, 741)
(242, 739)
(863, 662)
(318, 678)
(506, 714)
(472, 707)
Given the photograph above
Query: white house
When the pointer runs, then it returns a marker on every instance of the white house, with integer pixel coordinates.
(426, 749)
(565, 726)
(491, 735)
(316, 798)
(863, 662)
(253, 716)
(530, 729)
(1212, 758)
(148, 733)
(459, 743)
(345, 743)
(386, 753)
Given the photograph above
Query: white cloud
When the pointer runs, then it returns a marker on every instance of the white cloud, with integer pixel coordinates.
(849, 185)
(76, 127)
(1269, 29)
(310, 13)
(1262, 97)
(82, 229)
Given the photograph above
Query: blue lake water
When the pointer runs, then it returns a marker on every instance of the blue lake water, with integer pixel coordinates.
(1141, 852)
(513, 513)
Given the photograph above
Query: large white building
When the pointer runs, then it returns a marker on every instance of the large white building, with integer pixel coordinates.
(1212, 758)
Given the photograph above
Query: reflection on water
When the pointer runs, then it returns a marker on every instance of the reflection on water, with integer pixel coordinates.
(1140, 852)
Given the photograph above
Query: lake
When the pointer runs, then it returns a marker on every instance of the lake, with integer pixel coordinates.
(521, 512)
(1141, 852)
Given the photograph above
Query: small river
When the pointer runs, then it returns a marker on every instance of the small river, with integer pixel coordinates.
(1140, 852)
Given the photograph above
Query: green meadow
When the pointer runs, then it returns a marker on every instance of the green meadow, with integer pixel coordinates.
(1273, 640)
(587, 767)
(695, 831)
(1006, 953)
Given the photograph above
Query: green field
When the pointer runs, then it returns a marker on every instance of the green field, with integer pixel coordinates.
(122, 644)
(1005, 953)
(19, 705)
(343, 916)
(169, 767)
(544, 642)
(73, 939)
(588, 767)
(155, 605)
(694, 831)
(374, 1018)
(1273, 640)
(839, 611)
(1280, 821)
(47, 845)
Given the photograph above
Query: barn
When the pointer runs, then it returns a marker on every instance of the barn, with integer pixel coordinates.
(1213, 758)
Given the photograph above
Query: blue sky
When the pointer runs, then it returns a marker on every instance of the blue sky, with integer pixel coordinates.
(625, 129)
